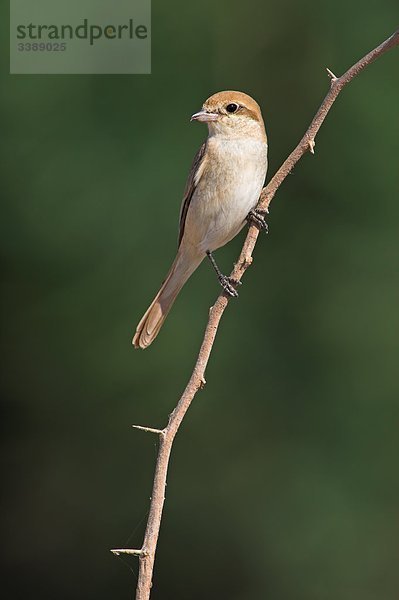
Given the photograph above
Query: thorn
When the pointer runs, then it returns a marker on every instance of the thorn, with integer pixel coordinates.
(118, 551)
(311, 144)
(149, 429)
(202, 383)
(331, 76)
(247, 262)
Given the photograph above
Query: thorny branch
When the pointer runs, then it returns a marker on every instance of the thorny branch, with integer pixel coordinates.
(146, 554)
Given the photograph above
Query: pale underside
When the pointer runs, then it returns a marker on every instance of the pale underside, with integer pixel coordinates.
(224, 185)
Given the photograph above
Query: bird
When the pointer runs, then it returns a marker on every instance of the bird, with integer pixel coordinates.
(220, 197)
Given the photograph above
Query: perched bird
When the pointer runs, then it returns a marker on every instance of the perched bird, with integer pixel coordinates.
(222, 191)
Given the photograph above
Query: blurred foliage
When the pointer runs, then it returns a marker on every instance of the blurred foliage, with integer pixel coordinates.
(283, 482)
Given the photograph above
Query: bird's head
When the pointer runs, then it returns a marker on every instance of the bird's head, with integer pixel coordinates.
(232, 114)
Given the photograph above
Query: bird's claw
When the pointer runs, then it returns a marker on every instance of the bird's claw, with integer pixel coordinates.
(257, 217)
(229, 285)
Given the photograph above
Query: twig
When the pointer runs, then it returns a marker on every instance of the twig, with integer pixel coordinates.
(118, 551)
(197, 380)
(149, 429)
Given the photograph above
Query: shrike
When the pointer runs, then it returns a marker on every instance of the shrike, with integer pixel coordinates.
(222, 191)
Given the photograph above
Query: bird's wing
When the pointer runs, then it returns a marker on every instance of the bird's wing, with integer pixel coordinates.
(197, 168)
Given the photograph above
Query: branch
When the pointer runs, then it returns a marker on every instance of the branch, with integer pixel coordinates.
(197, 381)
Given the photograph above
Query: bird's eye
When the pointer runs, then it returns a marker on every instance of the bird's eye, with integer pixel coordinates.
(232, 108)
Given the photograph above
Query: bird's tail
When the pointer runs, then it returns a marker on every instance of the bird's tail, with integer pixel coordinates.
(152, 321)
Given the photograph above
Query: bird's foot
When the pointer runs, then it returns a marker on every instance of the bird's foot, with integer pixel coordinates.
(257, 217)
(229, 285)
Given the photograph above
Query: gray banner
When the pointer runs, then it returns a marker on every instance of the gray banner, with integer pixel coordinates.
(80, 36)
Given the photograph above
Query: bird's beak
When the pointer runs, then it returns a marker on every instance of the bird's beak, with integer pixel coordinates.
(204, 116)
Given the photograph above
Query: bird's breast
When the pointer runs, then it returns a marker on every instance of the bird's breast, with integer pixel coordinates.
(228, 189)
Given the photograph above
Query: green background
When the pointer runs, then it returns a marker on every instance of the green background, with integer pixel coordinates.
(283, 482)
